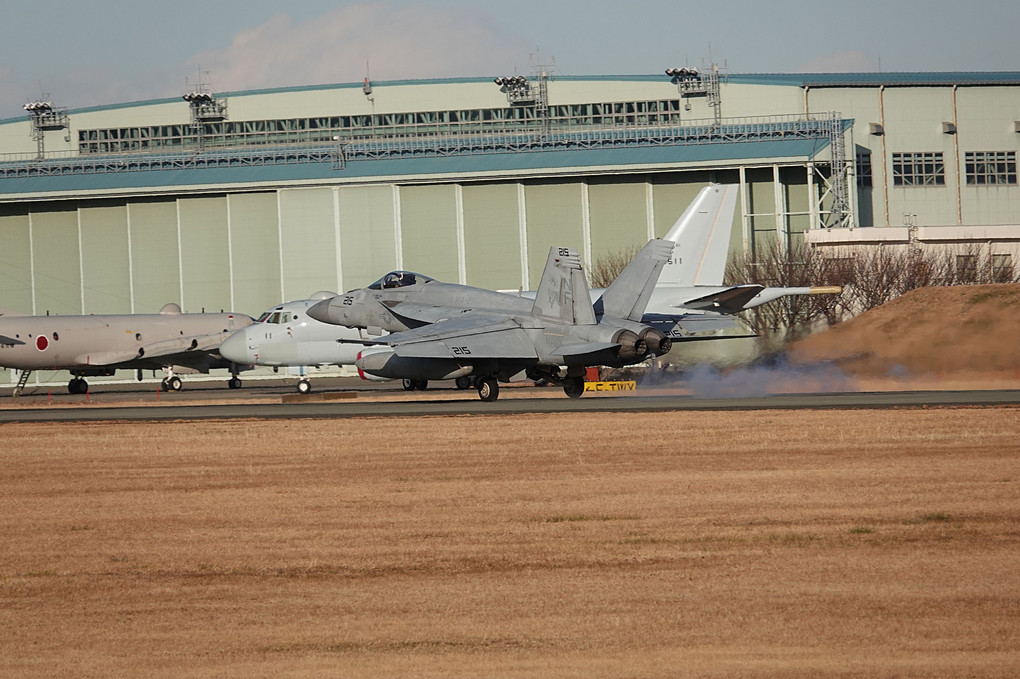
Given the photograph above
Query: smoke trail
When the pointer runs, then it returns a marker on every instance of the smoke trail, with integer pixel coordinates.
(775, 375)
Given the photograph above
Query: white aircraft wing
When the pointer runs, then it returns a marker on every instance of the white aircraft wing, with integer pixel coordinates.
(178, 351)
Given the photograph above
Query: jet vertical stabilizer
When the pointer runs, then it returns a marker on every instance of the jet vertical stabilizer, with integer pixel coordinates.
(628, 295)
(562, 294)
(703, 234)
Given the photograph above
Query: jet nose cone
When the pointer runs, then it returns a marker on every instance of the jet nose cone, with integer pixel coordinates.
(320, 311)
(235, 348)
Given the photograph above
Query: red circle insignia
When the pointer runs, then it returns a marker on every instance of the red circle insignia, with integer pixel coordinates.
(41, 342)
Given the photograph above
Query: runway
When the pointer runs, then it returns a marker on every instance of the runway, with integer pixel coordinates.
(452, 404)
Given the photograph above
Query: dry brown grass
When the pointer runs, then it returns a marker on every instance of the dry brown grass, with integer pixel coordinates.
(855, 543)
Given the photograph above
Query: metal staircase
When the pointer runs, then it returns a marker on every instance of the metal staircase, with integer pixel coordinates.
(22, 381)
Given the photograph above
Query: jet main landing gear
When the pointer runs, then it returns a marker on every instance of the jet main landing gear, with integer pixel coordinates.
(488, 388)
(172, 383)
(412, 385)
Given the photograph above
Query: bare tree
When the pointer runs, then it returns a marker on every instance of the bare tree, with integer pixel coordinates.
(606, 268)
(868, 277)
(798, 266)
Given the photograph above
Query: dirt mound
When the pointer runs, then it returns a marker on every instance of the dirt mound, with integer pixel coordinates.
(938, 330)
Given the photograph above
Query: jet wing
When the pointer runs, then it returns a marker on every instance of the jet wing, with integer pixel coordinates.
(676, 325)
(9, 341)
(172, 351)
(415, 314)
(473, 335)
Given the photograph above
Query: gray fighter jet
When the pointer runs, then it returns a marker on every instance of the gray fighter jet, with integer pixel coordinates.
(447, 331)
(89, 346)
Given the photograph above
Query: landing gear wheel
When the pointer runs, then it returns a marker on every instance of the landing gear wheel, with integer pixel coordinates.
(174, 383)
(463, 382)
(77, 386)
(421, 385)
(408, 384)
(163, 385)
(234, 383)
(304, 386)
(573, 386)
(488, 389)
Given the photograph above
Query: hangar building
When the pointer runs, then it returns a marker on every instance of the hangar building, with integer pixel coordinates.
(241, 200)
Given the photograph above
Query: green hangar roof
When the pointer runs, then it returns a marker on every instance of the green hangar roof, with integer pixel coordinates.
(476, 156)
(456, 165)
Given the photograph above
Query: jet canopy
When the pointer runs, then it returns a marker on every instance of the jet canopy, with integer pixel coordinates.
(399, 279)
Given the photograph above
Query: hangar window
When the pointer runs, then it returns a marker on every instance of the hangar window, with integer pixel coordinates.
(1002, 268)
(990, 167)
(864, 170)
(966, 268)
(918, 169)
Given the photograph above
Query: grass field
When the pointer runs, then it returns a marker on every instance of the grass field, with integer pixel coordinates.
(865, 543)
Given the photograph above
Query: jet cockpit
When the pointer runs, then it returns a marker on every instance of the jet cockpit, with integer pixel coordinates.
(399, 279)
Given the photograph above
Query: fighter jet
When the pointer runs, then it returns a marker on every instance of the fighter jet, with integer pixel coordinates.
(688, 298)
(287, 336)
(89, 346)
(447, 331)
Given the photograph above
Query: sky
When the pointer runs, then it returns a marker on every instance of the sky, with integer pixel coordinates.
(84, 54)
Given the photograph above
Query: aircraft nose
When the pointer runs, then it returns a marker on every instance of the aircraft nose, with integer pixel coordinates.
(320, 311)
(235, 348)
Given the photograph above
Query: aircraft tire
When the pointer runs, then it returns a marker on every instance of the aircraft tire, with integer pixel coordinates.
(488, 389)
(421, 385)
(234, 383)
(304, 386)
(463, 383)
(409, 384)
(573, 386)
(174, 383)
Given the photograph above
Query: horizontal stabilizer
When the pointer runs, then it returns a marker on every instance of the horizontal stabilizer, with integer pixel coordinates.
(9, 341)
(728, 301)
(680, 325)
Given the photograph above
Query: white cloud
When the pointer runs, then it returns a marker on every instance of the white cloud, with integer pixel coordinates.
(851, 61)
(396, 41)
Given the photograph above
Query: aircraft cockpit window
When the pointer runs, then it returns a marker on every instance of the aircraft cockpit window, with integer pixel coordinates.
(398, 279)
(285, 317)
(269, 317)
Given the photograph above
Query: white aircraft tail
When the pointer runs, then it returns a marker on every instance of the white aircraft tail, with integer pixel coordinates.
(562, 294)
(628, 295)
(703, 236)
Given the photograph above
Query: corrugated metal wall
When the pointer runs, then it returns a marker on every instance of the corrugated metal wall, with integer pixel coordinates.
(248, 251)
